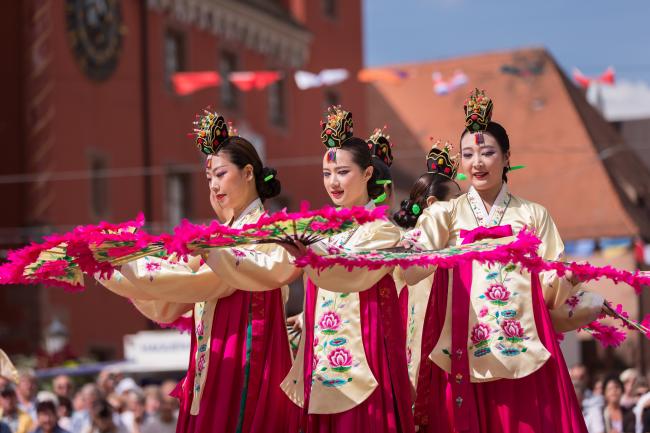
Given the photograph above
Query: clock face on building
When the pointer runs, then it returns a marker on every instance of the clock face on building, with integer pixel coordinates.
(95, 34)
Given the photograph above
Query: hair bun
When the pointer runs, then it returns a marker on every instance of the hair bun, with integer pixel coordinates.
(268, 185)
(408, 214)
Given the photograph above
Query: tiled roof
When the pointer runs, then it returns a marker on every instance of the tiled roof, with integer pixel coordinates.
(550, 124)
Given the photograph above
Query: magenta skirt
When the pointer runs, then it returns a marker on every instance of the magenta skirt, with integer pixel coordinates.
(389, 408)
(249, 358)
(543, 402)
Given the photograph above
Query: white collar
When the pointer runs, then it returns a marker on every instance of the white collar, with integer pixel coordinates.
(252, 207)
(493, 218)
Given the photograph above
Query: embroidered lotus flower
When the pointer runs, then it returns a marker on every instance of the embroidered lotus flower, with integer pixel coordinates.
(199, 328)
(200, 365)
(512, 329)
(329, 323)
(573, 301)
(483, 312)
(340, 359)
(497, 294)
(480, 333)
(152, 266)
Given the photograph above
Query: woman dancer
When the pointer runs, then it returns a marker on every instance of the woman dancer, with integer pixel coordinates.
(347, 375)
(240, 351)
(493, 321)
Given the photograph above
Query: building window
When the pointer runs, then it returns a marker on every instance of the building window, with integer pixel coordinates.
(331, 98)
(277, 103)
(179, 199)
(330, 8)
(98, 187)
(228, 64)
(175, 60)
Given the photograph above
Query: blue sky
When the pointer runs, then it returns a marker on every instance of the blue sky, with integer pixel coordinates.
(589, 34)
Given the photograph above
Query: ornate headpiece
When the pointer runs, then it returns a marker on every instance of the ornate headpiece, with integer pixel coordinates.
(337, 128)
(212, 131)
(380, 145)
(441, 161)
(478, 112)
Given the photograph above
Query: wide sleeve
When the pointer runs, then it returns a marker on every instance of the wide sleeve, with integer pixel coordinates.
(119, 285)
(258, 268)
(162, 311)
(156, 310)
(430, 233)
(557, 290)
(372, 236)
(175, 281)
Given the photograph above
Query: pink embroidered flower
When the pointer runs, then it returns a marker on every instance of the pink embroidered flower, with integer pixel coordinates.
(480, 332)
(329, 323)
(409, 355)
(199, 328)
(152, 266)
(238, 253)
(498, 294)
(512, 329)
(573, 301)
(483, 312)
(340, 359)
(200, 365)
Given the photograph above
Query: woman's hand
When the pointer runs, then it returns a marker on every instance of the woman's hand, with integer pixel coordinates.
(294, 323)
(296, 249)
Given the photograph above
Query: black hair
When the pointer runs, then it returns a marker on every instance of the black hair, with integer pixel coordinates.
(46, 406)
(101, 409)
(362, 156)
(614, 379)
(427, 185)
(8, 391)
(501, 136)
(242, 153)
(67, 403)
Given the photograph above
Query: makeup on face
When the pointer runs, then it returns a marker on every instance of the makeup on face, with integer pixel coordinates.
(344, 181)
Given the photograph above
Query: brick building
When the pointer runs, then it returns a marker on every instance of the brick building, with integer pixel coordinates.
(92, 129)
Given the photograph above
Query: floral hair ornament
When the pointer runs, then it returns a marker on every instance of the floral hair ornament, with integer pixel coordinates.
(441, 161)
(336, 129)
(478, 112)
(212, 131)
(380, 145)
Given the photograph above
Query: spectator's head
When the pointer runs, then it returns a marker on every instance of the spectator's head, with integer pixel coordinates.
(101, 416)
(8, 400)
(613, 391)
(89, 395)
(107, 380)
(46, 416)
(64, 409)
(598, 386)
(4, 382)
(135, 403)
(629, 377)
(116, 401)
(167, 410)
(62, 386)
(579, 374)
(641, 387)
(152, 397)
(27, 385)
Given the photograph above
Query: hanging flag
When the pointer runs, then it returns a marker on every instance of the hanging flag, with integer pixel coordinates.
(190, 82)
(249, 80)
(327, 77)
(443, 87)
(388, 75)
(607, 77)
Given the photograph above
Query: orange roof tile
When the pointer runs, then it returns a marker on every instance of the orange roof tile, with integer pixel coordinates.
(547, 133)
